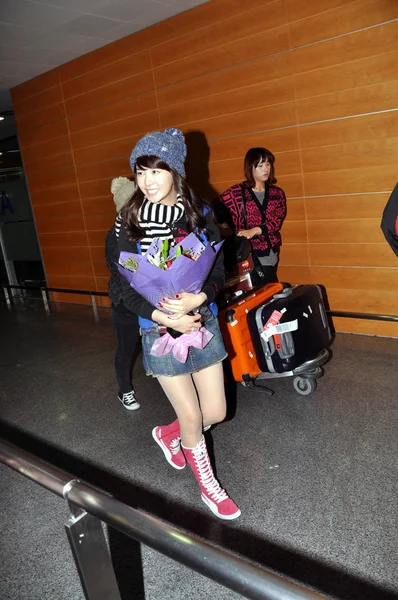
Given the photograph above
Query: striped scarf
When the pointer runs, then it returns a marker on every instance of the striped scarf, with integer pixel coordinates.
(155, 220)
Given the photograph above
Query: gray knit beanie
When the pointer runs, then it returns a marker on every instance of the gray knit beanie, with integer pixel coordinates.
(122, 190)
(168, 145)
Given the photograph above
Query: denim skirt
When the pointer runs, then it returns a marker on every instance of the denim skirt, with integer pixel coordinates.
(197, 360)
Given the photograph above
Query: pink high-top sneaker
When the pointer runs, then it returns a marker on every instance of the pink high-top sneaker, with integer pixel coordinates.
(213, 494)
(168, 438)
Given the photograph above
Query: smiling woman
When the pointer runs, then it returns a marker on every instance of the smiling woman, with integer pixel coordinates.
(156, 183)
(164, 207)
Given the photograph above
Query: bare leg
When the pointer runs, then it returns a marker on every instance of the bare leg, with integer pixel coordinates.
(210, 387)
(183, 397)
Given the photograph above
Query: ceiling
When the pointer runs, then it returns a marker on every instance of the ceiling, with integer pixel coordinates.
(39, 35)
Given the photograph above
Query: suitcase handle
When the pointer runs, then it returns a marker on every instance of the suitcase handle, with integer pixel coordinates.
(284, 293)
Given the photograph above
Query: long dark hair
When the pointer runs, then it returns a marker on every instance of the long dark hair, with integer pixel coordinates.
(252, 159)
(193, 204)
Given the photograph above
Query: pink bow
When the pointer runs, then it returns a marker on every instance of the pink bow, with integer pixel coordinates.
(199, 339)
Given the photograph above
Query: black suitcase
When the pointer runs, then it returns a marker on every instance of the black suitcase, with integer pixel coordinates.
(290, 329)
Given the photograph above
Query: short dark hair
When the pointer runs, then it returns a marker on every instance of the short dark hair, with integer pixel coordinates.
(253, 157)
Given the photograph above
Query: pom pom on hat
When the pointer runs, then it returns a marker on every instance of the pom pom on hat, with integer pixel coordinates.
(122, 190)
(168, 145)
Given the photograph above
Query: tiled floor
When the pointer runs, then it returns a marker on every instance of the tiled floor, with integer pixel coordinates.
(316, 477)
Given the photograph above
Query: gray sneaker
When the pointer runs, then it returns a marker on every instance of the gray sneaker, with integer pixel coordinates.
(129, 401)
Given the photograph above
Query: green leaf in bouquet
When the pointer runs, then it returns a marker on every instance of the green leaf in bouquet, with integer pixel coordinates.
(165, 249)
(130, 264)
(178, 251)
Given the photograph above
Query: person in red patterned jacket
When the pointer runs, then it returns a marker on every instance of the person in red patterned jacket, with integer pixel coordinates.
(257, 209)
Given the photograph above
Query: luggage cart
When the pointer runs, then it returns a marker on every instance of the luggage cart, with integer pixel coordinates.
(242, 352)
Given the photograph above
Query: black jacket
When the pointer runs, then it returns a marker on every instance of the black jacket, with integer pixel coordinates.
(389, 222)
(214, 283)
(112, 256)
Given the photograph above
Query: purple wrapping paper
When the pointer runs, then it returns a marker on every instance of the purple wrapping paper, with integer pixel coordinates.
(185, 274)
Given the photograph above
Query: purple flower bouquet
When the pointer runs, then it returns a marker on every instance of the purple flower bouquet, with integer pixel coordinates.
(160, 274)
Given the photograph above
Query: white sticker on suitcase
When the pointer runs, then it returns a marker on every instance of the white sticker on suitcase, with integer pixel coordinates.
(278, 329)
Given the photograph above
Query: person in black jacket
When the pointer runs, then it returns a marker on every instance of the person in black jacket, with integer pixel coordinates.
(124, 321)
(389, 222)
(165, 207)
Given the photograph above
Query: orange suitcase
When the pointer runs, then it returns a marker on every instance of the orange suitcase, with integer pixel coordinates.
(236, 334)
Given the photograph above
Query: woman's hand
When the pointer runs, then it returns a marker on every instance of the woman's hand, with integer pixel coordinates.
(184, 324)
(182, 304)
(249, 233)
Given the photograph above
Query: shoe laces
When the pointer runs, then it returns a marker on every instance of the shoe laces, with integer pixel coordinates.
(129, 398)
(175, 445)
(209, 482)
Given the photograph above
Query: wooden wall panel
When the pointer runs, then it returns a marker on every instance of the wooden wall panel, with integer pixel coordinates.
(350, 181)
(135, 105)
(345, 231)
(44, 100)
(351, 129)
(294, 254)
(342, 20)
(40, 117)
(269, 16)
(128, 46)
(53, 209)
(367, 254)
(221, 57)
(136, 84)
(116, 71)
(203, 16)
(44, 133)
(280, 115)
(42, 151)
(368, 206)
(347, 76)
(353, 156)
(383, 329)
(243, 99)
(53, 162)
(313, 80)
(363, 300)
(21, 93)
(226, 80)
(346, 48)
(367, 99)
(64, 224)
(300, 9)
(106, 150)
(280, 140)
(61, 194)
(116, 130)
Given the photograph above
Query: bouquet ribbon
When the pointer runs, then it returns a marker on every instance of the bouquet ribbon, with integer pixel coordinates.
(179, 346)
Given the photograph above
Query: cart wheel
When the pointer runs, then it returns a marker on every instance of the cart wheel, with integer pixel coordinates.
(303, 386)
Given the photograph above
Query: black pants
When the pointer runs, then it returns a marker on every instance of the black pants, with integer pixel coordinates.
(127, 331)
(270, 273)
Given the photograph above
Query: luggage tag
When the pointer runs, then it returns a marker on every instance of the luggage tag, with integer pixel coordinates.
(273, 328)
(272, 322)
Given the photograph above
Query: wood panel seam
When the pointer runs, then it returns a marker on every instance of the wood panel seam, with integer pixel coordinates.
(78, 185)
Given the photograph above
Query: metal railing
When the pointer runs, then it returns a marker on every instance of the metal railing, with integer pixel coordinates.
(45, 297)
(90, 506)
(46, 302)
(366, 316)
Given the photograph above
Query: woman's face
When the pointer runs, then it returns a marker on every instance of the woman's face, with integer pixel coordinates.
(262, 172)
(157, 185)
